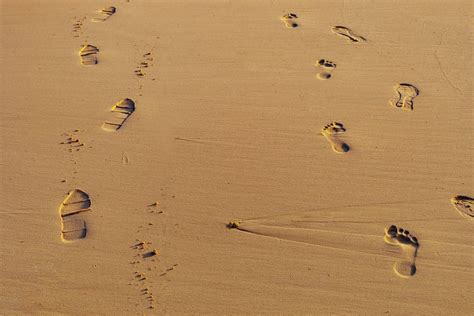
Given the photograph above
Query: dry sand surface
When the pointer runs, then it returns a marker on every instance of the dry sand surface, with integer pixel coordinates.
(236, 157)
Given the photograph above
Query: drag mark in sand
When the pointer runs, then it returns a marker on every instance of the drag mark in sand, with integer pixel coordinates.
(332, 132)
(73, 224)
(405, 95)
(120, 111)
(347, 33)
(88, 55)
(402, 238)
(464, 205)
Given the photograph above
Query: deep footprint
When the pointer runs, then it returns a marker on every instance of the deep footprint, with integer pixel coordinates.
(328, 67)
(88, 55)
(73, 224)
(402, 238)
(290, 20)
(105, 14)
(405, 95)
(331, 132)
(347, 33)
(121, 111)
(464, 205)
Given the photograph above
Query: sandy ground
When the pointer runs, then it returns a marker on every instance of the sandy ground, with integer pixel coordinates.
(227, 126)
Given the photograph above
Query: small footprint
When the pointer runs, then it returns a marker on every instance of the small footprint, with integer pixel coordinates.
(327, 66)
(88, 54)
(396, 236)
(331, 132)
(347, 33)
(121, 111)
(146, 62)
(405, 95)
(290, 20)
(105, 14)
(72, 217)
(72, 142)
(464, 205)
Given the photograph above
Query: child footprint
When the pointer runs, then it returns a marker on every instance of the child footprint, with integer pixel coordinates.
(105, 14)
(464, 205)
(347, 33)
(331, 132)
(402, 238)
(290, 20)
(88, 55)
(405, 95)
(328, 67)
(73, 224)
(121, 110)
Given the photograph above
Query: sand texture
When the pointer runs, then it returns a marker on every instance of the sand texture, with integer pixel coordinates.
(236, 157)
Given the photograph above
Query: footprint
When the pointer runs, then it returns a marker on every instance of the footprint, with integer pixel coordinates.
(464, 205)
(405, 95)
(88, 54)
(327, 66)
(397, 236)
(331, 131)
(347, 33)
(290, 20)
(105, 14)
(72, 217)
(121, 110)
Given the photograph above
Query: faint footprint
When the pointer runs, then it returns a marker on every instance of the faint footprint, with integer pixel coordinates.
(327, 66)
(72, 217)
(405, 95)
(88, 54)
(331, 132)
(400, 237)
(347, 33)
(290, 20)
(464, 205)
(121, 110)
(105, 14)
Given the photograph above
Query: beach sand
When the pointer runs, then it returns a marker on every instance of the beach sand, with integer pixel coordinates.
(122, 167)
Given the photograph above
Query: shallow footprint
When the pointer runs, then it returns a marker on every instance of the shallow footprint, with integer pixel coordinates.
(105, 14)
(464, 205)
(396, 236)
(331, 132)
(88, 55)
(328, 67)
(73, 224)
(121, 111)
(347, 33)
(405, 95)
(290, 20)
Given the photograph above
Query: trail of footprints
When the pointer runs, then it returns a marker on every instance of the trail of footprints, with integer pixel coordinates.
(76, 207)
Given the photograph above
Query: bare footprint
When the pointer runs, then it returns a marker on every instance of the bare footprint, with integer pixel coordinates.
(105, 14)
(397, 236)
(464, 205)
(121, 111)
(72, 218)
(347, 33)
(327, 66)
(405, 95)
(88, 55)
(290, 20)
(331, 132)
